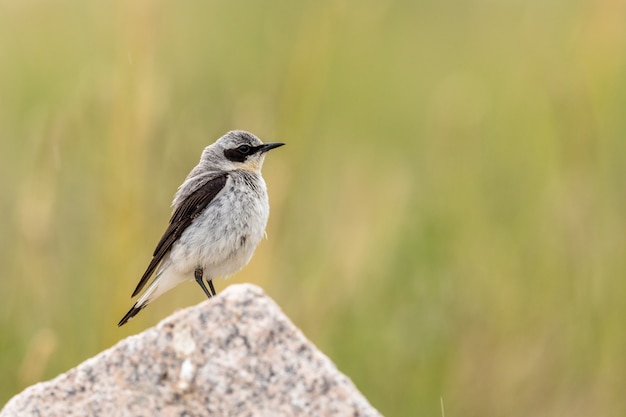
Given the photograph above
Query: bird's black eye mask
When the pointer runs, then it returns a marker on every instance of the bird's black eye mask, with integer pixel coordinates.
(240, 153)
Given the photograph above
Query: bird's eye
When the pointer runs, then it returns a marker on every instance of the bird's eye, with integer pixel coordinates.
(244, 149)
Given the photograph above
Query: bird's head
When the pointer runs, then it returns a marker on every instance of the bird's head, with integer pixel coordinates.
(237, 149)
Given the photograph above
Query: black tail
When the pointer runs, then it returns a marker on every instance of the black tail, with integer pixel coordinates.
(134, 310)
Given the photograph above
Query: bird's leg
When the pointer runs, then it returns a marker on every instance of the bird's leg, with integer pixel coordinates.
(211, 287)
(198, 274)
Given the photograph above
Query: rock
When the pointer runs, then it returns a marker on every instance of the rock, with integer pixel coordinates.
(234, 355)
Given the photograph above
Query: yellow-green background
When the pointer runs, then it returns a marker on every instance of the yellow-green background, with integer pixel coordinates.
(447, 217)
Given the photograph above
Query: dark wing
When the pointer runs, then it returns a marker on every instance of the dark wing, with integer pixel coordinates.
(183, 216)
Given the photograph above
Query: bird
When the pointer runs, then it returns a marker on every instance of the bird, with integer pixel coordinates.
(219, 216)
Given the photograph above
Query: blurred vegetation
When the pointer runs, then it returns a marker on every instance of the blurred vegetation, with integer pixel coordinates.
(447, 218)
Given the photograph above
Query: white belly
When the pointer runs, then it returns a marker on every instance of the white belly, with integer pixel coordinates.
(222, 240)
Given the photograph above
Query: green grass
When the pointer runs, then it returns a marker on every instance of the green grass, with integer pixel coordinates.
(447, 218)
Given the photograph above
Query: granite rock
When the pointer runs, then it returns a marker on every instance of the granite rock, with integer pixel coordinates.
(234, 355)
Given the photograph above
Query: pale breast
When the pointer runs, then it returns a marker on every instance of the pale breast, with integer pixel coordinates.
(223, 238)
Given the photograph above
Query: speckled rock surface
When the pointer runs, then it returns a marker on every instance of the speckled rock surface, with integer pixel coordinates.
(234, 355)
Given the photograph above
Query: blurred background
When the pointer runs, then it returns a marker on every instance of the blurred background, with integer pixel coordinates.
(448, 217)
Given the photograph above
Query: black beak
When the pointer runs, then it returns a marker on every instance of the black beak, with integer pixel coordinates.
(269, 146)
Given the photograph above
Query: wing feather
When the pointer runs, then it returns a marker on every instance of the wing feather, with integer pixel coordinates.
(183, 216)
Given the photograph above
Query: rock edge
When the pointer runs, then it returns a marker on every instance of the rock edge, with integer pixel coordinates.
(234, 355)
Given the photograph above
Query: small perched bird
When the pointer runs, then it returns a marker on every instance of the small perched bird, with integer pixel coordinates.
(220, 213)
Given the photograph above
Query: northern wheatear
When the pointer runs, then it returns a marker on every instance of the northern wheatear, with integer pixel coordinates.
(219, 217)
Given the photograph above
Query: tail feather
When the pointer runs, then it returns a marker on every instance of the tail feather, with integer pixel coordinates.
(141, 303)
(131, 313)
(165, 280)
